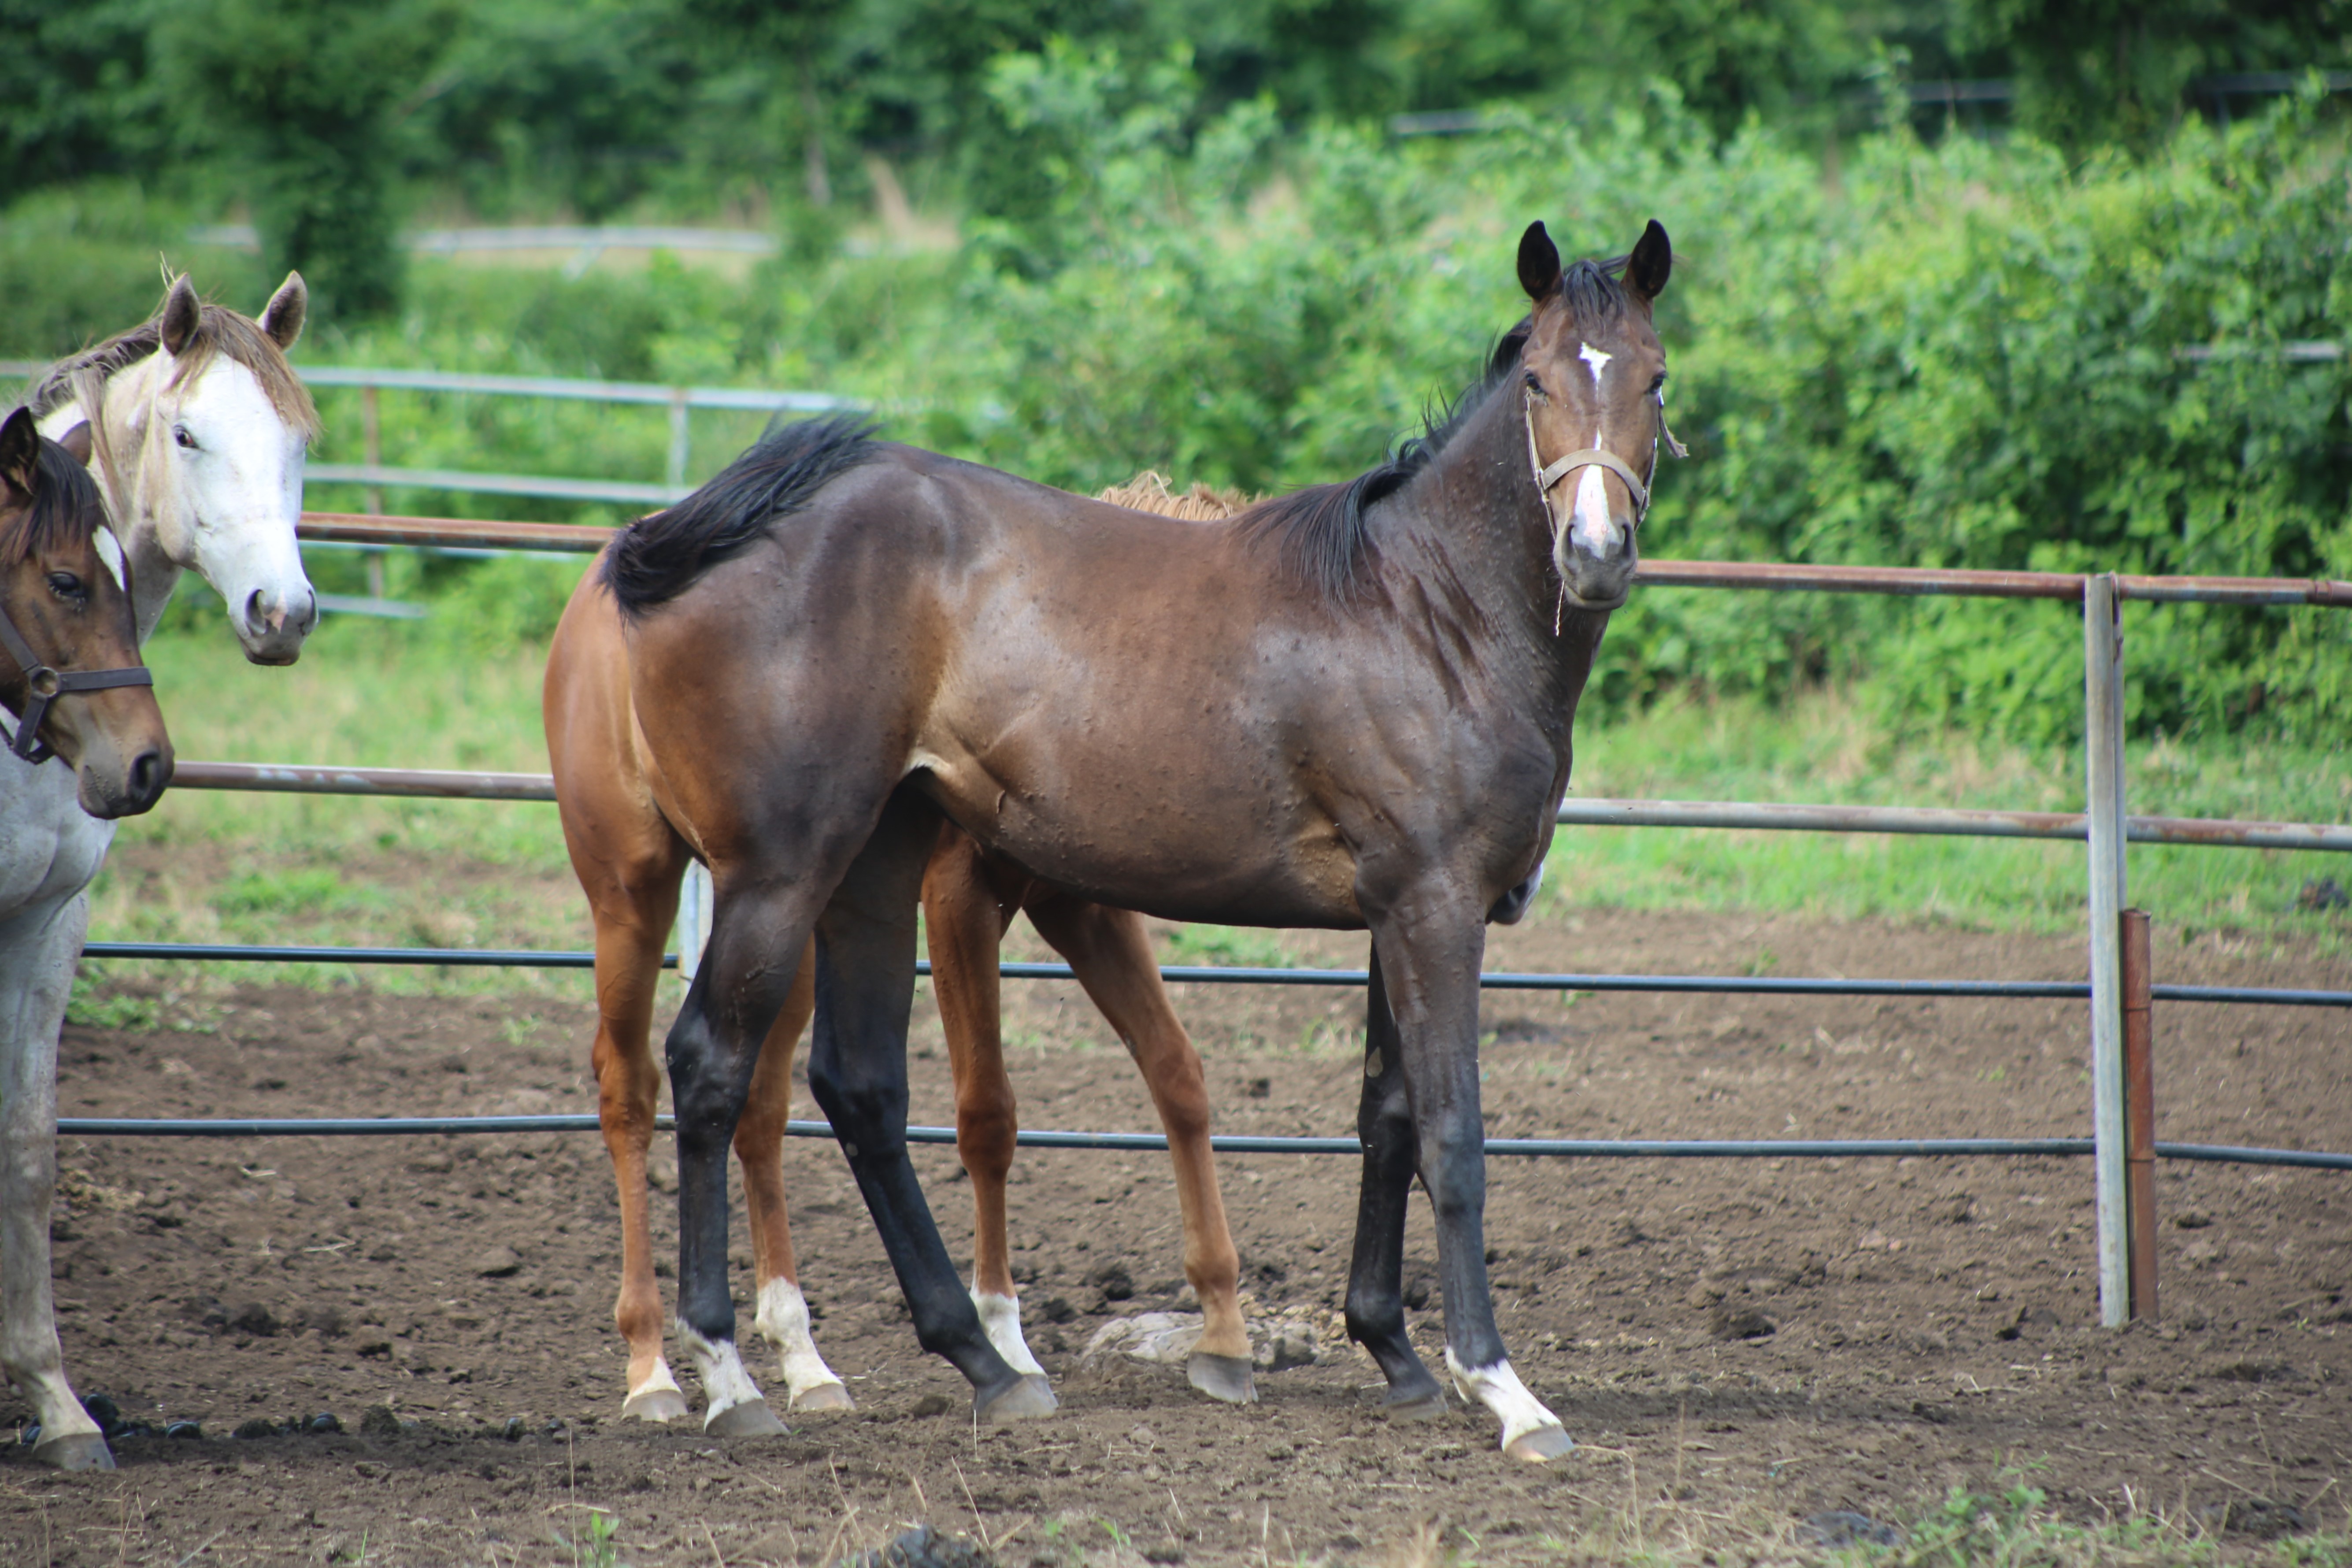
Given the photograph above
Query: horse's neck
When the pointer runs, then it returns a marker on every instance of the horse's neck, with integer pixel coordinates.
(1475, 511)
(132, 504)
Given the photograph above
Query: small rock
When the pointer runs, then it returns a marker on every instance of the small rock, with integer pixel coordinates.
(2258, 1516)
(930, 1404)
(922, 1547)
(186, 1431)
(253, 1319)
(498, 1263)
(325, 1420)
(512, 1431)
(256, 1426)
(2191, 1219)
(1164, 1339)
(1841, 1528)
(1281, 1346)
(1113, 1280)
(378, 1421)
(1732, 1323)
(368, 1469)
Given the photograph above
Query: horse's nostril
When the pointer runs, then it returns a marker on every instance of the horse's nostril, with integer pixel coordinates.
(147, 775)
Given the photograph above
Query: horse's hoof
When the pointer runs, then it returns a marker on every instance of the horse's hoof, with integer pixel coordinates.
(1226, 1377)
(1024, 1399)
(818, 1399)
(1543, 1442)
(752, 1418)
(654, 1404)
(1416, 1403)
(75, 1451)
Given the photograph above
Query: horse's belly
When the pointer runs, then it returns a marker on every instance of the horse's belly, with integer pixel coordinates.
(1224, 850)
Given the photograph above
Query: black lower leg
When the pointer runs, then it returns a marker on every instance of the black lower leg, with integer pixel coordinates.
(706, 1089)
(858, 1072)
(1375, 1277)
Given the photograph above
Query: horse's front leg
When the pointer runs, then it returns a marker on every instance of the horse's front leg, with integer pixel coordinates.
(857, 1071)
(1376, 1273)
(1429, 957)
(37, 950)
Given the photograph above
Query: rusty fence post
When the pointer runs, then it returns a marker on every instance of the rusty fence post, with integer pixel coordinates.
(2140, 1113)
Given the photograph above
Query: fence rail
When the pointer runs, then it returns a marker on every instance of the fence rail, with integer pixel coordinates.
(2119, 989)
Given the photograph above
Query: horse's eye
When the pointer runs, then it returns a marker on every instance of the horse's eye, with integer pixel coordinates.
(1535, 383)
(65, 585)
(180, 434)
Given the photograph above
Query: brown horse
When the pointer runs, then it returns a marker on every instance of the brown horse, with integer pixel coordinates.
(70, 673)
(1347, 708)
(629, 858)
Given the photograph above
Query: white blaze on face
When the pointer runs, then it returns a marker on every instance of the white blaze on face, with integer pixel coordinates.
(1589, 525)
(725, 1383)
(1000, 1317)
(783, 1321)
(1499, 1388)
(109, 552)
(233, 486)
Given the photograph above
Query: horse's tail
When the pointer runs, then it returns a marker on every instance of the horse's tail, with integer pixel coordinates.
(658, 557)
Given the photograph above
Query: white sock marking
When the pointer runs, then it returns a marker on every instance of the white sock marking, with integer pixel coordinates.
(725, 1383)
(1000, 1317)
(783, 1321)
(1499, 1388)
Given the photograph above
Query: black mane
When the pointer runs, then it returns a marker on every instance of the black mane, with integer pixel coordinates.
(1321, 531)
(66, 509)
(658, 556)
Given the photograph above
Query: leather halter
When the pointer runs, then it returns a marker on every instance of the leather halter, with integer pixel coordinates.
(1548, 475)
(44, 686)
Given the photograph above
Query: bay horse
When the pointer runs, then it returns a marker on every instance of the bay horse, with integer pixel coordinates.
(629, 858)
(1347, 708)
(69, 674)
(198, 428)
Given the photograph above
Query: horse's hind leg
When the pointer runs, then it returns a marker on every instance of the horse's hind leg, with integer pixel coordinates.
(633, 899)
(783, 1315)
(1376, 1275)
(37, 950)
(964, 919)
(1112, 957)
(858, 1070)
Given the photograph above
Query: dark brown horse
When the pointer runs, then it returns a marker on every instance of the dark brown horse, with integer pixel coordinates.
(630, 856)
(1347, 708)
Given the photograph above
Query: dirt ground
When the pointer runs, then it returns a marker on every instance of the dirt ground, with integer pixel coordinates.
(1736, 1345)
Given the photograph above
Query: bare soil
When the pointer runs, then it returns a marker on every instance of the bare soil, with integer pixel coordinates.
(1736, 1344)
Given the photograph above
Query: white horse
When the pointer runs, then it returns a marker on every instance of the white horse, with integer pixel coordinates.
(200, 427)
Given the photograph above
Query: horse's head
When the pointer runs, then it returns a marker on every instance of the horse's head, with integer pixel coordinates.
(222, 438)
(1595, 393)
(68, 646)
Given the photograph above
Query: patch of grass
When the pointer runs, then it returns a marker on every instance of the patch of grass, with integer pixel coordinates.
(1840, 748)
(1238, 947)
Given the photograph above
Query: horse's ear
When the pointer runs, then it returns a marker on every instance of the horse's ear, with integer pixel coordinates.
(20, 452)
(77, 443)
(1538, 263)
(282, 317)
(182, 312)
(1652, 259)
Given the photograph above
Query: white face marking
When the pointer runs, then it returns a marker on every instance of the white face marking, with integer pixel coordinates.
(237, 492)
(783, 1321)
(1589, 522)
(1499, 1388)
(109, 554)
(1597, 360)
(1000, 1317)
(725, 1383)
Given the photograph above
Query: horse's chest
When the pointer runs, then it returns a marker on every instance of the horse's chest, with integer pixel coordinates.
(49, 848)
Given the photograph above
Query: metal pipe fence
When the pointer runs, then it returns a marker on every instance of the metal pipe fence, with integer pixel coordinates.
(2117, 1075)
